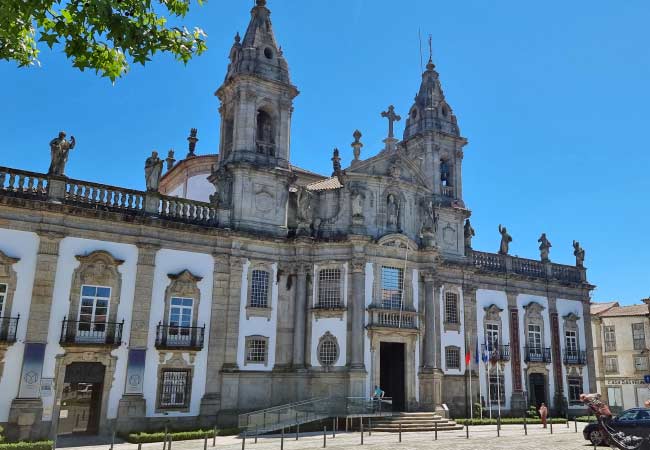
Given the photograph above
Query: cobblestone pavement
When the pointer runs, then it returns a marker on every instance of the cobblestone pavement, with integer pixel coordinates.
(481, 437)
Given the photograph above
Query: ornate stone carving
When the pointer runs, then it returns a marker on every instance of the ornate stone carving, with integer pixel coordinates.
(579, 253)
(493, 312)
(170, 160)
(469, 233)
(392, 117)
(336, 163)
(152, 170)
(358, 265)
(506, 239)
(305, 211)
(59, 151)
(192, 140)
(544, 248)
(392, 212)
(356, 146)
(429, 223)
(357, 200)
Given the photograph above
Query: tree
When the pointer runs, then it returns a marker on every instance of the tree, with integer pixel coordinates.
(103, 35)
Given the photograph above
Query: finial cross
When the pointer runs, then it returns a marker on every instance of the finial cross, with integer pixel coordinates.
(392, 117)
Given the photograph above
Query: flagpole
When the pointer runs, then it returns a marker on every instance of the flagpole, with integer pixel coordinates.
(498, 391)
(487, 369)
(471, 398)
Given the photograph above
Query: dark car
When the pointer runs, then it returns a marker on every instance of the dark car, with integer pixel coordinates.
(635, 421)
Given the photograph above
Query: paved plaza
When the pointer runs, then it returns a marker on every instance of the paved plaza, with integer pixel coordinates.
(481, 437)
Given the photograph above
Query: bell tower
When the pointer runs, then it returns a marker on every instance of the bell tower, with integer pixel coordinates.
(253, 174)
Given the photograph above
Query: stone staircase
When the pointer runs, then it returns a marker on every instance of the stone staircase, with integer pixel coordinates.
(414, 421)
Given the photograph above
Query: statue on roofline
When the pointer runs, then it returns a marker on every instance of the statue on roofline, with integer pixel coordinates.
(544, 247)
(59, 150)
(153, 167)
(506, 239)
(579, 253)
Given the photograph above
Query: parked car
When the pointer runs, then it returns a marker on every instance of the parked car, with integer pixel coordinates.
(635, 421)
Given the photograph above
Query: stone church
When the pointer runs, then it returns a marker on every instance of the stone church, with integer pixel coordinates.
(238, 281)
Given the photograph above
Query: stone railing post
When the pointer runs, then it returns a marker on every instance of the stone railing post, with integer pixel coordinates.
(507, 259)
(152, 202)
(56, 187)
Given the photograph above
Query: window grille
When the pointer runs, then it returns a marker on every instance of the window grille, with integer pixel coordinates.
(93, 311)
(575, 389)
(497, 389)
(638, 336)
(451, 307)
(452, 357)
(174, 389)
(329, 288)
(259, 289)
(328, 352)
(3, 296)
(640, 363)
(392, 287)
(611, 364)
(256, 350)
(610, 338)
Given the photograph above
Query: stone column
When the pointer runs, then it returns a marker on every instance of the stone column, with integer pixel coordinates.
(518, 400)
(25, 415)
(299, 317)
(429, 323)
(436, 170)
(216, 342)
(437, 326)
(471, 334)
(458, 175)
(357, 319)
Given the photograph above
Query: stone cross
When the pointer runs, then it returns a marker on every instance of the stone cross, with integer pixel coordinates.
(392, 117)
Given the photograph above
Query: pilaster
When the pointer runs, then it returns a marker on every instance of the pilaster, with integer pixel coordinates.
(429, 323)
(559, 402)
(589, 344)
(518, 400)
(357, 303)
(143, 291)
(437, 326)
(300, 314)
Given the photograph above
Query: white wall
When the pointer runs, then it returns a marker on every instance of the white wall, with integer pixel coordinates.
(174, 262)
(257, 325)
(337, 326)
(68, 250)
(453, 338)
(564, 308)
(195, 188)
(23, 245)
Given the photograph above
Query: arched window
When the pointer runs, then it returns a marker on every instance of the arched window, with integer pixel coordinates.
(264, 127)
(445, 173)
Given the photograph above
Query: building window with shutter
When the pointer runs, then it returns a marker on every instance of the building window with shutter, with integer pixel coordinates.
(638, 336)
(641, 363)
(611, 364)
(575, 389)
(497, 388)
(610, 338)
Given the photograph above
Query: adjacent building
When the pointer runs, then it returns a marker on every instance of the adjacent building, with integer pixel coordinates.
(239, 281)
(621, 353)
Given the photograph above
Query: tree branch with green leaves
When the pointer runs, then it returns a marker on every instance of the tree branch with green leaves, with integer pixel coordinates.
(101, 35)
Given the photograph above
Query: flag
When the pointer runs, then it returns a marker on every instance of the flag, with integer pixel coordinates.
(468, 357)
(476, 356)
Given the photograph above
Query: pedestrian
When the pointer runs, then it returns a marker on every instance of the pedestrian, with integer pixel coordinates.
(377, 396)
(543, 414)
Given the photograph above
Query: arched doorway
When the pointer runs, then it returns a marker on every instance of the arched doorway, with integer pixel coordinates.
(81, 398)
(537, 389)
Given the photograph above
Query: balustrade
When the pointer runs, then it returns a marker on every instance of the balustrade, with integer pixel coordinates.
(488, 261)
(494, 262)
(391, 318)
(528, 267)
(21, 183)
(176, 208)
(103, 196)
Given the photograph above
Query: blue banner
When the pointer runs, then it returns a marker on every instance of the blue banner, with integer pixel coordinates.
(30, 378)
(135, 372)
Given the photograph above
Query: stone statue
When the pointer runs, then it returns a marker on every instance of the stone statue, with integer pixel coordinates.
(506, 239)
(356, 145)
(59, 150)
(336, 163)
(170, 160)
(469, 234)
(392, 209)
(152, 170)
(579, 253)
(192, 140)
(305, 212)
(357, 204)
(544, 247)
(429, 217)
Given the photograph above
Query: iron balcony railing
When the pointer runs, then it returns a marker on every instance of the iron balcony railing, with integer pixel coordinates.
(578, 357)
(76, 332)
(537, 354)
(173, 336)
(496, 352)
(8, 328)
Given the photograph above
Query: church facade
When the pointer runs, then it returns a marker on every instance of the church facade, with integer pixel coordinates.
(238, 281)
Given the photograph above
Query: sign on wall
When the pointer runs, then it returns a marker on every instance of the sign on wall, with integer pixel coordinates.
(30, 378)
(135, 372)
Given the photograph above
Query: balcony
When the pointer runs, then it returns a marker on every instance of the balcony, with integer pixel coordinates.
(98, 333)
(8, 327)
(175, 337)
(576, 357)
(382, 317)
(496, 352)
(537, 354)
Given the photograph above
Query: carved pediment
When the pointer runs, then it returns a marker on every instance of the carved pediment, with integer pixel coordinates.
(534, 310)
(184, 283)
(571, 317)
(5, 265)
(493, 312)
(98, 267)
(398, 241)
(392, 166)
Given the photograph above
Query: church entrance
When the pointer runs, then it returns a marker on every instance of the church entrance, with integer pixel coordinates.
(391, 372)
(537, 389)
(81, 399)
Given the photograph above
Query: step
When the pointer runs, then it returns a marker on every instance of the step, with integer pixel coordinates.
(416, 429)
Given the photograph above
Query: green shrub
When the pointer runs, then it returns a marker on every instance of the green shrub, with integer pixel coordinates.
(478, 410)
(507, 421)
(38, 445)
(586, 418)
(228, 431)
(532, 412)
(144, 438)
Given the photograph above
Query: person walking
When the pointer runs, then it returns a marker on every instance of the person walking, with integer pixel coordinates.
(377, 396)
(543, 414)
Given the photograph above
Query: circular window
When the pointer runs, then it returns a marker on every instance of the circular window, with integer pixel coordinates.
(268, 53)
(328, 350)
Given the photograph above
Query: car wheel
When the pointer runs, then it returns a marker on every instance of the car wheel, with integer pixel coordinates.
(597, 437)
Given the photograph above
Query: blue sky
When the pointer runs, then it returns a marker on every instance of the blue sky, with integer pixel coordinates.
(553, 97)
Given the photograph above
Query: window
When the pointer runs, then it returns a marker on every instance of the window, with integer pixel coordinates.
(329, 288)
(180, 318)
(3, 297)
(638, 336)
(497, 389)
(451, 307)
(571, 342)
(93, 311)
(610, 339)
(611, 364)
(535, 337)
(575, 389)
(256, 349)
(259, 289)
(452, 357)
(492, 336)
(174, 388)
(641, 363)
(328, 350)
(392, 287)
(615, 398)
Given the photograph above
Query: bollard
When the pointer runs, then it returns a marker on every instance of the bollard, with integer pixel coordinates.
(525, 426)
(112, 439)
(466, 430)
(369, 426)
(575, 423)
(346, 424)
(324, 437)
(214, 435)
(256, 433)
(567, 420)
(169, 444)
(205, 442)
(550, 421)
(400, 432)
(165, 440)
(333, 428)
(140, 446)
(297, 430)
(243, 440)
(435, 429)
(361, 426)
(498, 426)
(282, 439)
